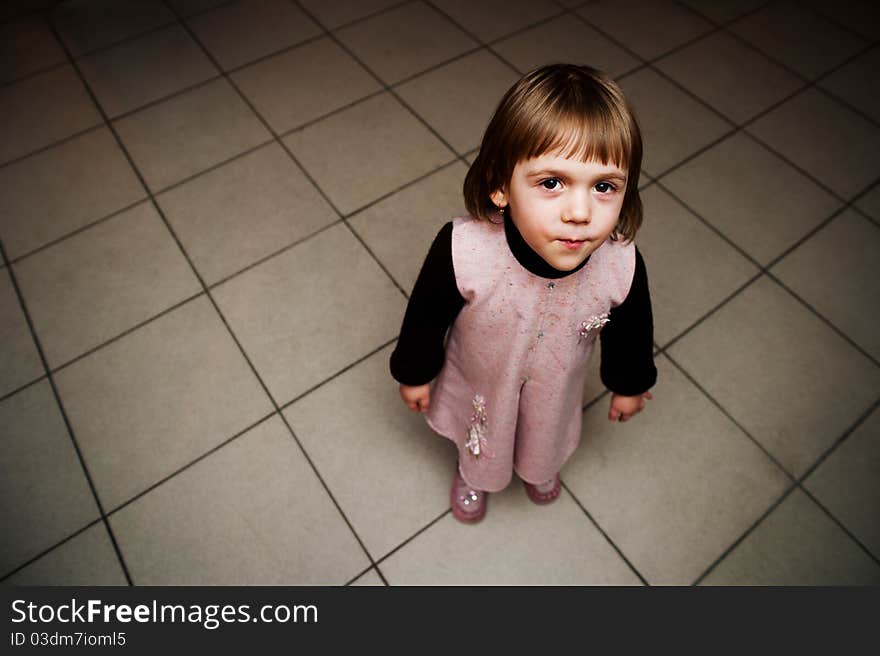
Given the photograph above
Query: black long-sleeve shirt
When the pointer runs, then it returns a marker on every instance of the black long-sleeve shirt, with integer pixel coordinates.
(627, 365)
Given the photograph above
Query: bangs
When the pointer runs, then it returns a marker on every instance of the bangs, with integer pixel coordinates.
(582, 132)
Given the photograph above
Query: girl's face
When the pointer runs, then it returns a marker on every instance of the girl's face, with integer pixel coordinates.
(564, 208)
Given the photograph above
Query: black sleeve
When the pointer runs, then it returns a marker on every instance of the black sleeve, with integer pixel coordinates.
(628, 340)
(433, 305)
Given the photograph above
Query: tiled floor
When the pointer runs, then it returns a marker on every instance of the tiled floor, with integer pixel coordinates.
(212, 212)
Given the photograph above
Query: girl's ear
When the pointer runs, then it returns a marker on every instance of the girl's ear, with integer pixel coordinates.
(499, 198)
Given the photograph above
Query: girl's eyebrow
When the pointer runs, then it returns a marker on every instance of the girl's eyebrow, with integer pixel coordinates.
(552, 173)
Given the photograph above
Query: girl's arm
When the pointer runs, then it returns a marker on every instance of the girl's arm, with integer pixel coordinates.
(627, 367)
(433, 305)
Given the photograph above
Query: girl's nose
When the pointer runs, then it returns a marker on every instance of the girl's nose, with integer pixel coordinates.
(579, 209)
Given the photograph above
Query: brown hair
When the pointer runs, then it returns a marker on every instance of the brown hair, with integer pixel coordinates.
(575, 110)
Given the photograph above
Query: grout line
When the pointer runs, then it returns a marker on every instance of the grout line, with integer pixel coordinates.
(125, 333)
(798, 484)
(841, 525)
(824, 319)
(262, 260)
(43, 149)
(414, 181)
(382, 576)
(372, 14)
(693, 326)
(607, 537)
(22, 388)
(208, 10)
(730, 417)
(47, 550)
(865, 215)
(335, 375)
(106, 46)
(76, 231)
(751, 529)
(40, 71)
(191, 463)
(412, 537)
(64, 417)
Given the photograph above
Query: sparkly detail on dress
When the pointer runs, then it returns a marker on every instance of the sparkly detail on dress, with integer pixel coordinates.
(476, 432)
(593, 323)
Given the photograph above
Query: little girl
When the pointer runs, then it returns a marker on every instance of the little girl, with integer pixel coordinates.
(544, 263)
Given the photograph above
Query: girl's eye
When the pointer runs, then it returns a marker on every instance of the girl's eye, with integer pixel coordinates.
(552, 184)
(605, 187)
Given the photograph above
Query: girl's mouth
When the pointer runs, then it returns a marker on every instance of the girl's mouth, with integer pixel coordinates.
(572, 244)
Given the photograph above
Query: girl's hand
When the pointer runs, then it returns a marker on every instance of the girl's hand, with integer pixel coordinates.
(416, 397)
(624, 408)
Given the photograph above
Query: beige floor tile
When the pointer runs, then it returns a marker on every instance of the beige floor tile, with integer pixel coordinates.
(404, 41)
(253, 513)
(51, 194)
(797, 37)
(189, 133)
(243, 211)
(848, 483)
(400, 229)
(722, 11)
(518, 543)
(565, 39)
(367, 151)
(492, 19)
(673, 124)
(27, 45)
(358, 422)
(19, 359)
(845, 289)
(827, 139)
(88, 24)
(728, 186)
(647, 27)
(783, 374)
(140, 71)
(370, 579)
(334, 13)
(308, 313)
(860, 16)
(190, 7)
(45, 493)
(101, 282)
(870, 203)
(855, 82)
(674, 487)
(146, 405)
(797, 544)
(304, 83)
(85, 560)
(712, 67)
(458, 99)
(40, 110)
(240, 32)
(690, 268)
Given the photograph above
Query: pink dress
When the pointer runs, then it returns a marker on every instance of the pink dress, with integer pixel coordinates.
(510, 391)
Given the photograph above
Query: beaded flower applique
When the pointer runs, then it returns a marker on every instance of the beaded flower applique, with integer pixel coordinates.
(476, 432)
(593, 323)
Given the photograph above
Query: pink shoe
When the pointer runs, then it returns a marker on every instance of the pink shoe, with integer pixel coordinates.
(545, 492)
(468, 505)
